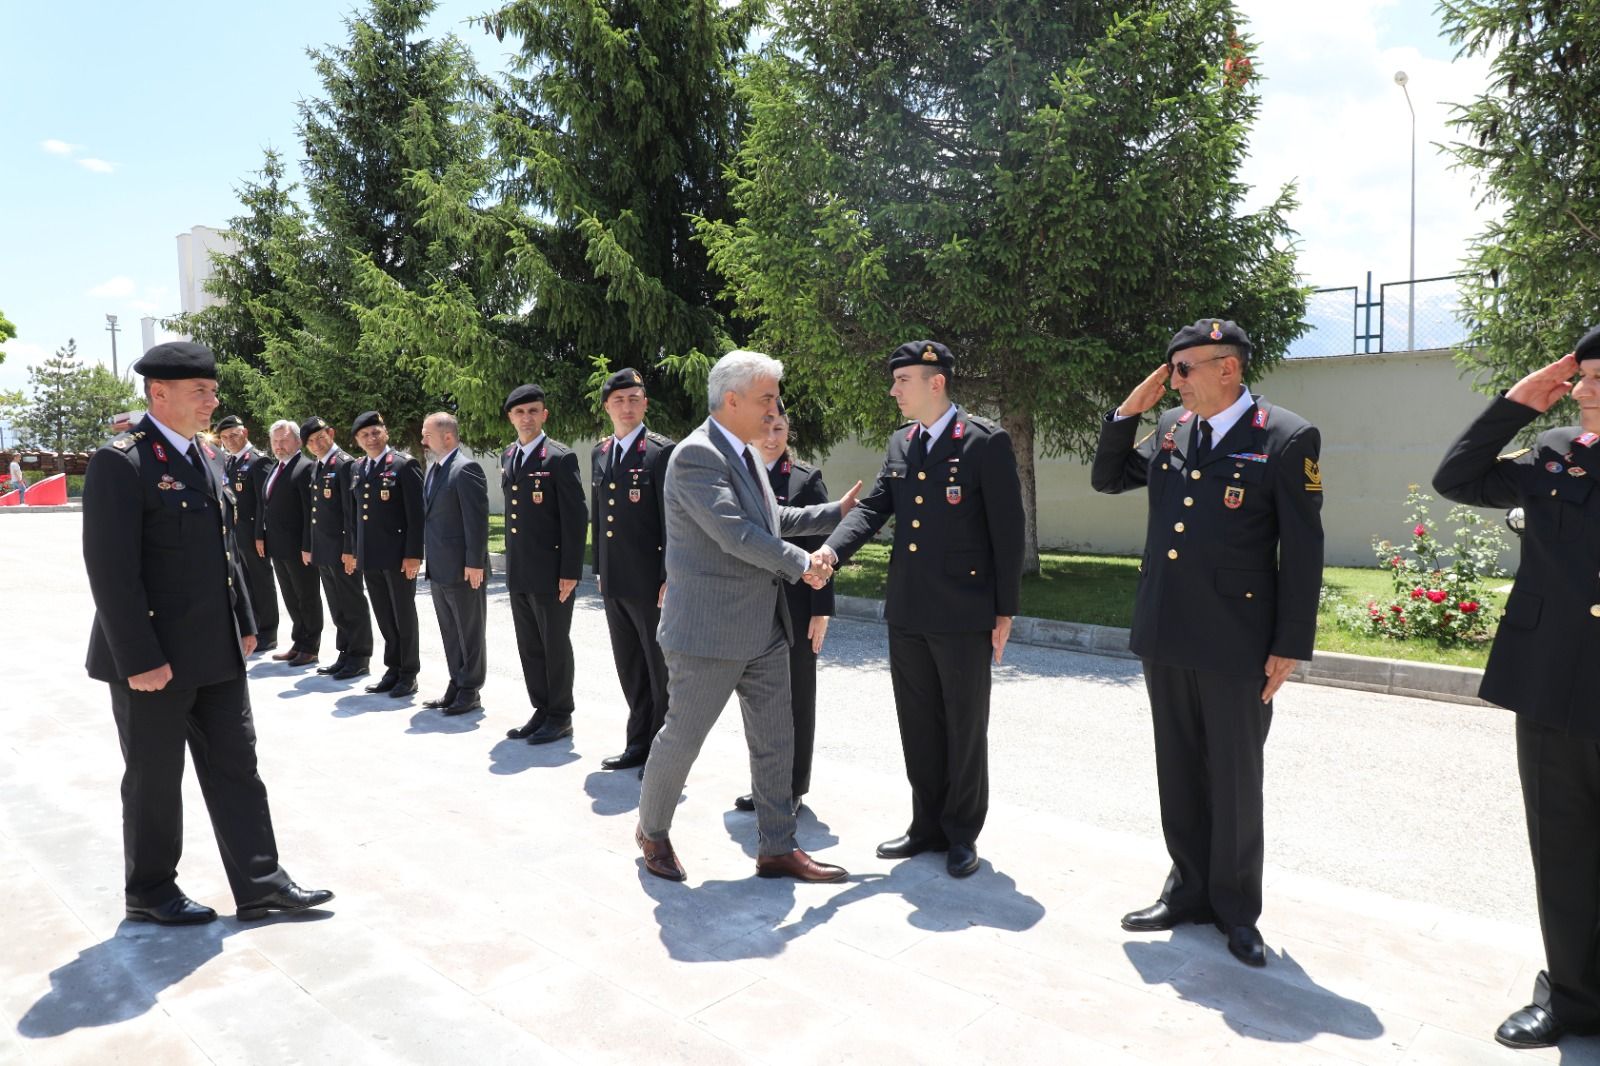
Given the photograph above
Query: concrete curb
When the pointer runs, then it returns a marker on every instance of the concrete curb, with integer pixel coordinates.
(1398, 677)
(75, 505)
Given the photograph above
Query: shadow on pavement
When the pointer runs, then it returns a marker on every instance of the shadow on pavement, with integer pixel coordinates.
(511, 756)
(811, 833)
(746, 919)
(613, 791)
(432, 721)
(363, 703)
(1278, 1004)
(120, 978)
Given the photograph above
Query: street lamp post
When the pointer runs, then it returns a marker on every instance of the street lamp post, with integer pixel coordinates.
(111, 327)
(1401, 79)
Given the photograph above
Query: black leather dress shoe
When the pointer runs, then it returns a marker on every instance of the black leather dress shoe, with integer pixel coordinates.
(405, 686)
(442, 702)
(746, 802)
(287, 900)
(962, 860)
(351, 668)
(333, 667)
(528, 728)
(465, 703)
(384, 683)
(1161, 916)
(1244, 944)
(552, 729)
(1532, 1026)
(907, 846)
(179, 911)
(626, 761)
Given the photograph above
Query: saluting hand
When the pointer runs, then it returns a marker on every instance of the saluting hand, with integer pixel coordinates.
(847, 502)
(1541, 389)
(1147, 393)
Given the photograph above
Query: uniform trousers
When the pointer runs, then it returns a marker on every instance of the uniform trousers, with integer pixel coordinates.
(462, 611)
(941, 697)
(1561, 797)
(347, 604)
(263, 593)
(215, 722)
(544, 643)
(1210, 738)
(640, 667)
(699, 690)
(394, 605)
(303, 600)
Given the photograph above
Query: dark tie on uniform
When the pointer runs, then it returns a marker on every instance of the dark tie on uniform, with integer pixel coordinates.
(516, 463)
(616, 459)
(1202, 444)
(193, 455)
(919, 447)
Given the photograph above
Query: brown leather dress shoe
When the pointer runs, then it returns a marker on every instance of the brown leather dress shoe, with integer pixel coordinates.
(285, 656)
(305, 658)
(659, 857)
(800, 866)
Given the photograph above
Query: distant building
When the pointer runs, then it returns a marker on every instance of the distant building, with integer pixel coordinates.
(194, 265)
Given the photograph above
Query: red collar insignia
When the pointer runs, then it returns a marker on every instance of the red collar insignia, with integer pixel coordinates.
(1260, 421)
(160, 452)
(959, 432)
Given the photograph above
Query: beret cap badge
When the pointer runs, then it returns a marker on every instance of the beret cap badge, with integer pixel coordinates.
(1216, 331)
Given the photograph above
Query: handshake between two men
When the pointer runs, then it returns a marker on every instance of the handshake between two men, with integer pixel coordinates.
(824, 560)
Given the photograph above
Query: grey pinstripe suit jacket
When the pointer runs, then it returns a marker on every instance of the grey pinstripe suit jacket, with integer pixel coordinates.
(725, 551)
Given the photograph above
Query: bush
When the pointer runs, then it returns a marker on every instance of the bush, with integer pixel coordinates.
(1438, 588)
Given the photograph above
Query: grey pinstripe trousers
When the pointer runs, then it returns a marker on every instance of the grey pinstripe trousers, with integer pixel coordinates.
(697, 690)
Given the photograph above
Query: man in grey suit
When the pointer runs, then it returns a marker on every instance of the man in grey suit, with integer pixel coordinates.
(725, 624)
(455, 543)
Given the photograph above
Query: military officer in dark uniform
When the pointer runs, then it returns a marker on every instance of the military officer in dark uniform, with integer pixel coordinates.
(386, 511)
(331, 548)
(950, 481)
(626, 471)
(282, 524)
(172, 628)
(797, 484)
(546, 520)
(1226, 607)
(1536, 667)
(239, 469)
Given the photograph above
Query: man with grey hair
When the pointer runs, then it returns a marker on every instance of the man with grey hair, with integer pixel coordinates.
(455, 548)
(725, 624)
(282, 520)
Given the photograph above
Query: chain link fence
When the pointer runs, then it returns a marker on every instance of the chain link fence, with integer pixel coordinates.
(1397, 316)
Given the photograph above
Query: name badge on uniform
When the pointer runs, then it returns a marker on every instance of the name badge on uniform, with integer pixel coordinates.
(633, 495)
(538, 497)
(952, 494)
(383, 494)
(1233, 497)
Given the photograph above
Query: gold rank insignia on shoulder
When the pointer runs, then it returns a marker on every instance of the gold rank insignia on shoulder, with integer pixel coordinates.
(1313, 476)
(122, 445)
(1512, 456)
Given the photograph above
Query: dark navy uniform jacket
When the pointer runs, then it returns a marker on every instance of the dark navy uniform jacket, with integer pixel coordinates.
(956, 563)
(158, 546)
(240, 470)
(1232, 567)
(387, 511)
(798, 484)
(546, 518)
(629, 516)
(330, 535)
(1551, 625)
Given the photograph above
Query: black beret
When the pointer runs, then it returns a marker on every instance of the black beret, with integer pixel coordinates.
(1589, 346)
(365, 419)
(230, 422)
(176, 361)
(314, 424)
(522, 394)
(922, 353)
(1209, 331)
(626, 378)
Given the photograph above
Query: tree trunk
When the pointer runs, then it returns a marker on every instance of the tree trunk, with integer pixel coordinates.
(1020, 427)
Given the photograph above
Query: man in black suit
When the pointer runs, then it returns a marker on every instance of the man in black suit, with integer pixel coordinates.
(331, 547)
(627, 471)
(241, 469)
(282, 524)
(386, 510)
(1226, 607)
(455, 503)
(950, 481)
(546, 520)
(1536, 667)
(171, 633)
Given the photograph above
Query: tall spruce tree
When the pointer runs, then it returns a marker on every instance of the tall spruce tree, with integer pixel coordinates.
(1533, 137)
(1048, 189)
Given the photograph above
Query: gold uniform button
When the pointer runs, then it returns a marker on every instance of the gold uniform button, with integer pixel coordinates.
(1164, 466)
(612, 502)
(1249, 595)
(1178, 528)
(514, 501)
(1172, 553)
(922, 475)
(611, 518)
(613, 485)
(919, 499)
(1188, 501)
(1195, 474)
(513, 529)
(610, 533)
(513, 514)
(1595, 610)
(916, 523)
(912, 547)
(152, 614)
(1552, 492)
(1236, 477)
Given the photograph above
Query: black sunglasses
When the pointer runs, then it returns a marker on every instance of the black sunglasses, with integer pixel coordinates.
(1184, 368)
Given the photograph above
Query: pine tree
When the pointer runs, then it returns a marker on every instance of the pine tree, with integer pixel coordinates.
(1048, 189)
(71, 405)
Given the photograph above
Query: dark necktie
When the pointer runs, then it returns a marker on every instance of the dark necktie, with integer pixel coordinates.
(1202, 443)
(427, 487)
(616, 459)
(750, 465)
(919, 448)
(193, 455)
(516, 464)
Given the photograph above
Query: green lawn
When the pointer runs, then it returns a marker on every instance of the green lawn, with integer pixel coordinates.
(1099, 589)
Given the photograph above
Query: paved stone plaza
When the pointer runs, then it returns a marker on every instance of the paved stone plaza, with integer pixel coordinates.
(492, 907)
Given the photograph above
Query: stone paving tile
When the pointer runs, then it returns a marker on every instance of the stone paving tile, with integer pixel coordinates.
(1437, 1047)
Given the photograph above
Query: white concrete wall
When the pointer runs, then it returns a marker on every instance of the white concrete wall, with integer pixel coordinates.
(1385, 420)
(194, 265)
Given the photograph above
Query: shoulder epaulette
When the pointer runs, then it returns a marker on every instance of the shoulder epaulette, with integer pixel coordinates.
(1510, 456)
(987, 424)
(659, 438)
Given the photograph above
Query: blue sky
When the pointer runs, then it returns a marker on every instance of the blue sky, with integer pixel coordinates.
(126, 124)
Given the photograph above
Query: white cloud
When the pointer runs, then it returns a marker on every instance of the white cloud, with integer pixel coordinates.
(120, 287)
(99, 166)
(55, 147)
